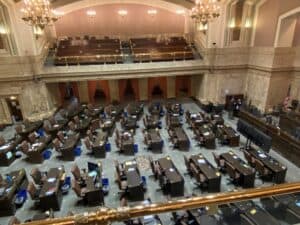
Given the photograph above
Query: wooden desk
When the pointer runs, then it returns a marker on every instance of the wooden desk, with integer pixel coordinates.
(129, 123)
(173, 121)
(278, 170)
(228, 135)
(35, 153)
(94, 193)
(67, 150)
(108, 125)
(7, 155)
(247, 174)
(51, 195)
(205, 136)
(19, 181)
(154, 140)
(98, 145)
(212, 175)
(180, 139)
(152, 122)
(170, 179)
(282, 142)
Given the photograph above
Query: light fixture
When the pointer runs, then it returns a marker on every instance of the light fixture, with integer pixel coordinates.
(180, 11)
(248, 23)
(203, 27)
(232, 23)
(37, 13)
(205, 11)
(91, 13)
(152, 11)
(3, 30)
(122, 12)
(58, 13)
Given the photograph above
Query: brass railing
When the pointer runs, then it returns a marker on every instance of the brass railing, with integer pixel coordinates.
(108, 215)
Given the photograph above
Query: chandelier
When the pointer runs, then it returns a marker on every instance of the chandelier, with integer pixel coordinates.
(205, 11)
(37, 13)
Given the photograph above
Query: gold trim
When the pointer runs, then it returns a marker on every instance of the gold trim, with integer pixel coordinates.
(107, 215)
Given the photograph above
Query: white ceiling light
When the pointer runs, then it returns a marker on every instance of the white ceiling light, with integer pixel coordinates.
(91, 13)
(122, 12)
(152, 11)
(180, 11)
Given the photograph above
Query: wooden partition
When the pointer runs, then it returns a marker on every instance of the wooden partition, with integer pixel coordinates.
(129, 90)
(156, 85)
(183, 86)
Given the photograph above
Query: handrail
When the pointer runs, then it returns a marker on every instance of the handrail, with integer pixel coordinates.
(108, 215)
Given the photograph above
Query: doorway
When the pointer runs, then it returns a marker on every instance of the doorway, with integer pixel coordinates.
(14, 108)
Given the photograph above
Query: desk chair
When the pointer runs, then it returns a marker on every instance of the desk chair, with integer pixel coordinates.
(61, 136)
(57, 144)
(13, 220)
(95, 125)
(2, 140)
(25, 147)
(76, 172)
(34, 193)
(263, 172)
(220, 162)
(37, 176)
(233, 174)
(249, 158)
(32, 137)
(18, 129)
(72, 126)
(80, 192)
(90, 135)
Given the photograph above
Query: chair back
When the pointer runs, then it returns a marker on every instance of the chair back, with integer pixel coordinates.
(216, 158)
(56, 144)
(19, 129)
(25, 147)
(60, 135)
(89, 134)
(32, 137)
(72, 126)
(76, 188)
(76, 172)
(95, 124)
(76, 119)
(36, 175)
(247, 156)
(2, 140)
(31, 189)
(87, 143)
(230, 170)
(259, 166)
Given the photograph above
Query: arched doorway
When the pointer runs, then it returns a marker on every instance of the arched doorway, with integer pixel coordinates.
(157, 88)
(129, 90)
(99, 92)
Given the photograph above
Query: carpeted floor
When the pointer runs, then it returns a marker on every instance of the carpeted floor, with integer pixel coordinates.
(69, 202)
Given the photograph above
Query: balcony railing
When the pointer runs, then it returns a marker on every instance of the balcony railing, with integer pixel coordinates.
(108, 215)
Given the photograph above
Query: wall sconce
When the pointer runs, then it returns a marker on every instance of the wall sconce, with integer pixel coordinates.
(122, 12)
(232, 23)
(248, 23)
(3, 30)
(91, 13)
(180, 11)
(152, 12)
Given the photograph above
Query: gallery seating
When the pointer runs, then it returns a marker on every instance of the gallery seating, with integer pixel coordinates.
(88, 51)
